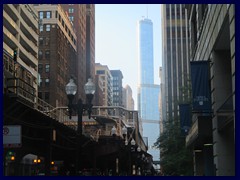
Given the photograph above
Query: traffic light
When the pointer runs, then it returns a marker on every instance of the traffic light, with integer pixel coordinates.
(15, 55)
(10, 156)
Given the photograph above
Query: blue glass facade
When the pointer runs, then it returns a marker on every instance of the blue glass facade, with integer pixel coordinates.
(148, 92)
(145, 51)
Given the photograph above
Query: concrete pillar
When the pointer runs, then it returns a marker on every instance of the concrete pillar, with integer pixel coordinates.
(224, 152)
(208, 160)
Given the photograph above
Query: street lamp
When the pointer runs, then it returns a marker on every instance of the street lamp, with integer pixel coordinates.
(124, 133)
(71, 90)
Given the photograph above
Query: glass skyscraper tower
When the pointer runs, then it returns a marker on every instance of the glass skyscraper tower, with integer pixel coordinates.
(148, 92)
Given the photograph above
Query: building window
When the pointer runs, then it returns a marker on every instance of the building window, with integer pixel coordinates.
(40, 68)
(47, 68)
(40, 82)
(40, 55)
(100, 72)
(70, 10)
(48, 15)
(47, 54)
(48, 27)
(41, 41)
(41, 28)
(41, 15)
(47, 82)
(71, 18)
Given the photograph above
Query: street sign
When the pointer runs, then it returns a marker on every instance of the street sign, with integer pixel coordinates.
(12, 136)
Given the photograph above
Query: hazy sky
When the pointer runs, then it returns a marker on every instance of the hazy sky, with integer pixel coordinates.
(116, 39)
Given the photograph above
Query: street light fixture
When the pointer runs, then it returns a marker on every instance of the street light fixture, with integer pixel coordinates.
(124, 132)
(71, 90)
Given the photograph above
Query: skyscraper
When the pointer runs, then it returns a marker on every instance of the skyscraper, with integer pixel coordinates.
(117, 87)
(212, 39)
(128, 101)
(57, 53)
(175, 60)
(148, 92)
(106, 76)
(20, 44)
(82, 17)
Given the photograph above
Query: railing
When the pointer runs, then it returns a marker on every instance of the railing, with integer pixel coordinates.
(57, 113)
(129, 117)
(119, 115)
(19, 87)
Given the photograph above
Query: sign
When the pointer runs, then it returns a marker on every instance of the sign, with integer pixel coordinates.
(200, 86)
(185, 118)
(12, 136)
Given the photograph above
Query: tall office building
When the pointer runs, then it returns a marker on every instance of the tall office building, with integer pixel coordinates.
(128, 101)
(82, 17)
(212, 35)
(20, 37)
(90, 41)
(106, 77)
(117, 87)
(175, 70)
(57, 53)
(148, 92)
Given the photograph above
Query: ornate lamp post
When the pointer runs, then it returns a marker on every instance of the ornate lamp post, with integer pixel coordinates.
(71, 90)
(124, 133)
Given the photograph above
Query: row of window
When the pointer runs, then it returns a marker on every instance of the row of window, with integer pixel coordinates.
(66, 28)
(100, 71)
(116, 93)
(45, 14)
(71, 10)
(115, 98)
(46, 82)
(115, 78)
(115, 88)
(40, 68)
(115, 83)
(48, 15)
(44, 41)
(47, 27)
(40, 54)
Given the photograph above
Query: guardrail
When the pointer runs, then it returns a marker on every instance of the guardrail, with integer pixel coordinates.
(120, 116)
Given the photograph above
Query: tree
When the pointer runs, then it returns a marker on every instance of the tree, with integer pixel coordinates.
(176, 159)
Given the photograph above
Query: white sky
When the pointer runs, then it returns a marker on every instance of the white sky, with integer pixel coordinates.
(116, 43)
